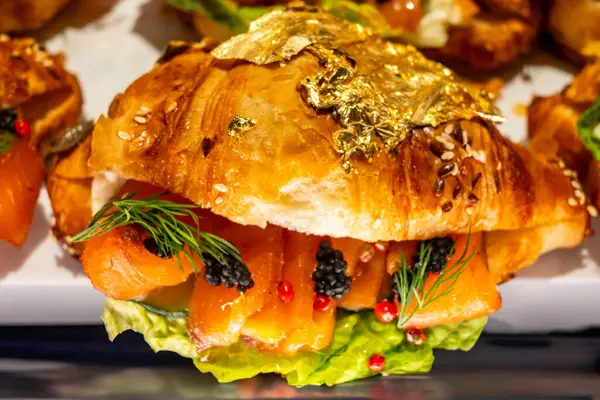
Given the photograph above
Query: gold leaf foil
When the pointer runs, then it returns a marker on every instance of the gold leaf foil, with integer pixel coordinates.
(240, 124)
(378, 91)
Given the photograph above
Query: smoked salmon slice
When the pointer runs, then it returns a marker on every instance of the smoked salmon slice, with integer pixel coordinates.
(21, 176)
(366, 284)
(217, 313)
(306, 329)
(474, 293)
(293, 326)
(120, 266)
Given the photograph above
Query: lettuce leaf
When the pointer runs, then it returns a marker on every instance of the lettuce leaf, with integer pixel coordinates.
(359, 13)
(588, 127)
(236, 18)
(460, 336)
(357, 336)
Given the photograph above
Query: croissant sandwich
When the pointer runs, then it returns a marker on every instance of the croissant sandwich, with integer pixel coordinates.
(567, 124)
(24, 15)
(37, 97)
(476, 34)
(574, 26)
(310, 200)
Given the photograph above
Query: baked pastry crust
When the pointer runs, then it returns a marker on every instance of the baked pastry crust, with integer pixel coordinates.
(37, 84)
(500, 33)
(286, 171)
(575, 28)
(553, 126)
(23, 15)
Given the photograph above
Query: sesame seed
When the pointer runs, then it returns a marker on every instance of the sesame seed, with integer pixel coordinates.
(171, 107)
(124, 135)
(456, 192)
(572, 202)
(454, 171)
(448, 155)
(578, 193)
(447, 207)
(448, 129)
(592, 210)
(498, 166)
(472, 199)
(68, 239)
(143, 111)
(445, 169)
(465, 138)
(141, 120)
(428, 130)
(219, 200)
(576, 185)
(561, 163)
(436, 148)
(469, 210)
(448, 145)
(439, 187)
(207, 205)
(221, 188)
(445, 141)
(581, 200)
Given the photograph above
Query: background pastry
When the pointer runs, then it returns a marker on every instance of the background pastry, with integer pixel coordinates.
(37, 97)
(574, 25)
(24, 15)
(476, 34)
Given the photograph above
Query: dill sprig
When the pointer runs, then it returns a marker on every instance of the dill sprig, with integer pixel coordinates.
(160, 218)
(410, 281)
(8, 141)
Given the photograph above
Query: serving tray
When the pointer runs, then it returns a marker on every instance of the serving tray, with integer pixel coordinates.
(109, 43)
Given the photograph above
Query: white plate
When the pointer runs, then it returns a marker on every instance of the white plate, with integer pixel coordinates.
(109, 43)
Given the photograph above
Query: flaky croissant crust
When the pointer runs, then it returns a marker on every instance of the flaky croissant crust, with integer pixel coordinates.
(170, 128)
(37, 84)
(22, 15)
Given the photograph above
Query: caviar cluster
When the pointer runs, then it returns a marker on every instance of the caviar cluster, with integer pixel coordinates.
(232, 273)
(440, 252)
(153, 247)
(8, 116)
(329, 276)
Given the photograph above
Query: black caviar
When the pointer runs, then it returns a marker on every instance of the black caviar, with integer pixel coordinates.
(440, 252)
(232, 273)
(153, 247)
(329, 275)
(8, 116)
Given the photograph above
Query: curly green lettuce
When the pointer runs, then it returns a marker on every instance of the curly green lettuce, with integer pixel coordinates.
(237, 18)
(588, 127)
(357, 336)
